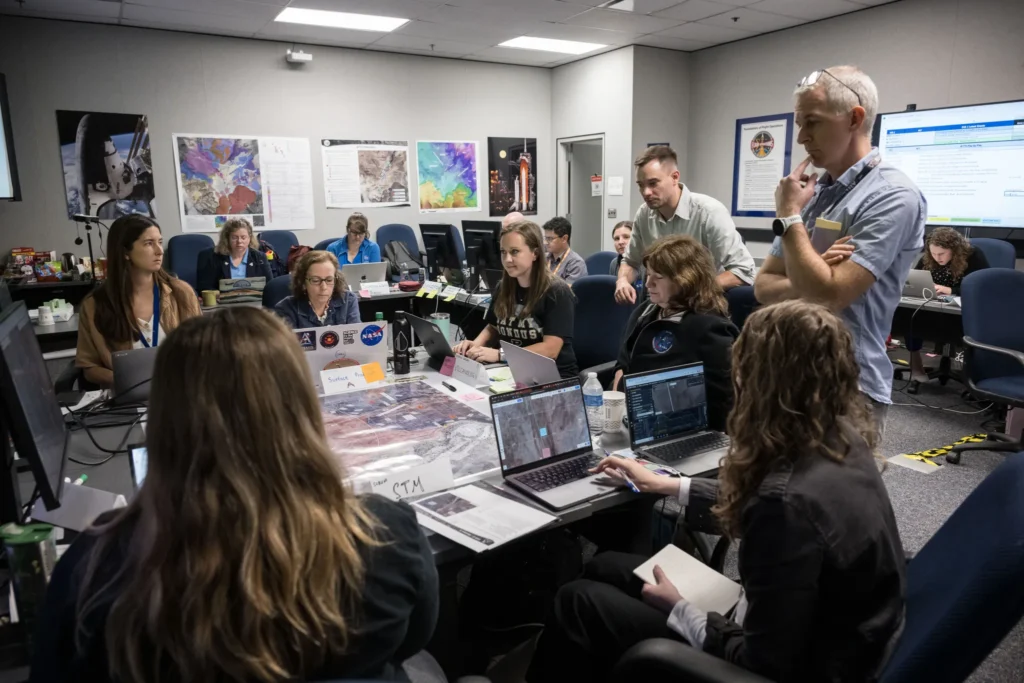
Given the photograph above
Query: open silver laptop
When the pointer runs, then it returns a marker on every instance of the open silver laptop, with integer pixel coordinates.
(528, 368)
(544, 444)
(668, 419)
(133, 371)
(358, 273)
(919, 285)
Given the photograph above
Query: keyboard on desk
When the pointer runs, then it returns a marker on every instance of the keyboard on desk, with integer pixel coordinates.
(559, 474)
(674, 451)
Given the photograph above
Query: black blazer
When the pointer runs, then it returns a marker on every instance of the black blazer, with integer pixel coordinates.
(213, 267)
(652, 344)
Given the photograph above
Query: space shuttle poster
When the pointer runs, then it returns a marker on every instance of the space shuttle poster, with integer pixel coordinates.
(512, 175)
(107, 163)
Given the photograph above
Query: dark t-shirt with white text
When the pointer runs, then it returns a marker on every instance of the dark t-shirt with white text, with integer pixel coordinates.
(553, 316)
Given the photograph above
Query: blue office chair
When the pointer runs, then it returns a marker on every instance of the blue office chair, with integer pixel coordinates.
(276, 290)
(599, 324)
(742, 303)
(993, 317)
(998, 253)
(599, 263)
(963, 595)
(397, 232)
(281, 241)
(323, 244)
(183, 256)
(460, 247)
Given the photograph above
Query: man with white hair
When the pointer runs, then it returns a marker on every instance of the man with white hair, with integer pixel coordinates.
(876, 211)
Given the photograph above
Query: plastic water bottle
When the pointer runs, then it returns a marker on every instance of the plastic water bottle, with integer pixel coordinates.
(593, 396)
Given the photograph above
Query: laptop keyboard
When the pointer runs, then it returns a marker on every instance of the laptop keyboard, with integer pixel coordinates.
(680, 450)
(559, 474)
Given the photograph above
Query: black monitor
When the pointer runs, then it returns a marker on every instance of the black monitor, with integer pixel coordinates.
(9, 186)
(29, 410)
(483, 248)
(442, 252)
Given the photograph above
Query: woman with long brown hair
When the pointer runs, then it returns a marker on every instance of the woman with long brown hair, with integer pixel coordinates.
(243, 557)
(531, 308)
(686, 321)
(137, 305)
(820, 558)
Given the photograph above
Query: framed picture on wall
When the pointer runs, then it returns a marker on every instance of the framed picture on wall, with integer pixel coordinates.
(512, 175)
(761, 158)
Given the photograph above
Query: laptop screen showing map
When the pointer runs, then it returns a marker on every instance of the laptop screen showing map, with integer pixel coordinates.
(540, 423)
(666, 403)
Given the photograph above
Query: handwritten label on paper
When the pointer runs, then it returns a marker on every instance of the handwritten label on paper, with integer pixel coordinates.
(470, 372)
(374, 288)
(450, 292)
(415, 481)
(342, 379)
(429, 289)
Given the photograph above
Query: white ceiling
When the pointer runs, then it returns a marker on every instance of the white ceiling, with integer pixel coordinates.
(467, 29)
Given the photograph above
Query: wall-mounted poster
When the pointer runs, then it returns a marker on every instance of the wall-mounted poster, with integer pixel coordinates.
(512, 175)
(267, 181)
(108, 169)
(761, 158)
(362, 174)
(448, 179)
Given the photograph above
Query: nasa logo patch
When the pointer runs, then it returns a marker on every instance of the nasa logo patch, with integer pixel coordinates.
(663, 342)
(372, 335)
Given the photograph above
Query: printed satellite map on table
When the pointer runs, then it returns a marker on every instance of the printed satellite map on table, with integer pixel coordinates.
(408, 419)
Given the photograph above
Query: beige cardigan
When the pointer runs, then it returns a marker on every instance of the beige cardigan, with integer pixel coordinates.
(93, 354)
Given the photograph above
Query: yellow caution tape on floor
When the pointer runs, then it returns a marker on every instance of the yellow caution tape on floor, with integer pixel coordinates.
(928, 455)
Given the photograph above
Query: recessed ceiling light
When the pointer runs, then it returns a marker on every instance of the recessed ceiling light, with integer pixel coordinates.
(354, 22)
(569, 47)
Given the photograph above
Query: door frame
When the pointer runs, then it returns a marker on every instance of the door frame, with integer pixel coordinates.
(562, 173)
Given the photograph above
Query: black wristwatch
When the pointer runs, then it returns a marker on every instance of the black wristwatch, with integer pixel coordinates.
(781, 225)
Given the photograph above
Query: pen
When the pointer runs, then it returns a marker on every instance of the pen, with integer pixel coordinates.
(81, 480)
(447, 386)
(629, 483)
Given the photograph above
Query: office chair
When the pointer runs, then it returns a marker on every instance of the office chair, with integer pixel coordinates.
(998, 253)
(599, 325)
(393, 232)
(323, 244)
(742, 303)
(276, 290)
(963, 596)
(599, 263)
(281, 241)
(993, 317)
(183, 256)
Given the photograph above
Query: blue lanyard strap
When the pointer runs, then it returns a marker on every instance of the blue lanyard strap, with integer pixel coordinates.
(156, 319)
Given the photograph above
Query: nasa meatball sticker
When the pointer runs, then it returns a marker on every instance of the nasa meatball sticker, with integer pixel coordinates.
(663, 342)
(329, 339)
(372, 335)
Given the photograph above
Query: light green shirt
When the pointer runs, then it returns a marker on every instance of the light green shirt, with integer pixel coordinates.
(706, 220)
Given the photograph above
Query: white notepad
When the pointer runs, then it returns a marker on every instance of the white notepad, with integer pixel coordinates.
(698, 583)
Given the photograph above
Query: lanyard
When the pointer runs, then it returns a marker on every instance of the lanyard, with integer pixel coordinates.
(868, 167)
(156, 319)
(561, 261)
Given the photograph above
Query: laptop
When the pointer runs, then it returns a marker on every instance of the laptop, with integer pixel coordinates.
(919, 285)
(529, 369)
(138, 460)
(433, 340)
(358, 273)
(544, 445)
(668, 419)
(133, 371)
(240, 290)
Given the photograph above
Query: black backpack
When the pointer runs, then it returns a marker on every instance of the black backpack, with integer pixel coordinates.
(277, 262)
(399, 259)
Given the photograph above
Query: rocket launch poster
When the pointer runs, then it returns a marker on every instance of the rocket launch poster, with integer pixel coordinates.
(512, 175)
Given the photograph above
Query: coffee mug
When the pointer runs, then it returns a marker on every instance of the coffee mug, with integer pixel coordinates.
(45, 315)
(210, 297)
(614, 410)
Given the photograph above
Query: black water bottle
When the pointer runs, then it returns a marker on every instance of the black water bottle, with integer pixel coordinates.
(401, 344)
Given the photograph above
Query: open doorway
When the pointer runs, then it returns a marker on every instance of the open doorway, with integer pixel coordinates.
(580, 159)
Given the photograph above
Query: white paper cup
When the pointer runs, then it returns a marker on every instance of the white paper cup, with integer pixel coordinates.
(45, 315)
(614, 410)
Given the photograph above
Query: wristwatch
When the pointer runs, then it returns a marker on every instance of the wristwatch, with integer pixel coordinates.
(501, 355)
(781, 225)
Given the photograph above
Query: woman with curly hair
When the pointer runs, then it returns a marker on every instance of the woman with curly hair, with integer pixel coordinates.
(820, 558)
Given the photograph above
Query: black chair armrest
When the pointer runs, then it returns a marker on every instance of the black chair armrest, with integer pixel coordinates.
(661, 659)
(605, 373)
(1017, 355)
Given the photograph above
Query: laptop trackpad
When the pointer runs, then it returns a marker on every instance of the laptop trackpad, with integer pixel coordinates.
(575, 492)
(700, 463)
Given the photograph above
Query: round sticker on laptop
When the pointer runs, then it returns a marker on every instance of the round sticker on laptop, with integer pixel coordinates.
(372, 335)
(663, 342)
(329, 339)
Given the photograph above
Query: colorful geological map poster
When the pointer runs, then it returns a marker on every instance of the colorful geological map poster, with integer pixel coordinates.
(448, 179)
(267, 181)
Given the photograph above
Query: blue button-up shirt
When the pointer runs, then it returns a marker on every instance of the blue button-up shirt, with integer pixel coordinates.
(238, 272)
(368, 252)
(885, 215)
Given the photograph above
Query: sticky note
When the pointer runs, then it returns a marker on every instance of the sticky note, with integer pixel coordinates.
(448, 367)
(372, 372)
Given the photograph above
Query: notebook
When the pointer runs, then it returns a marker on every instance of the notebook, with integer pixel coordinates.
(701, 585)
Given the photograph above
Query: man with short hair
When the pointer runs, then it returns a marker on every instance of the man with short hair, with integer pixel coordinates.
(562, 260)
(511, 218)
(670, 208)
(876, 211)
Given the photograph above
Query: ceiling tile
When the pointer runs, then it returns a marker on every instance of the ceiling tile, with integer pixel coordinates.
(651, 6)
(321, 35)
(805, 9)
(872, 3)
(529, 10)
(449, 48)
(226, 8)
(257, 17)
(740, 3)
(751, 20)
(615, 20)
(483, 17)
(706, 34)
(584, 34)
(509, 55)
(681, 44)
(68, 8)
(692, 10)
(491, 35)
(406, 9)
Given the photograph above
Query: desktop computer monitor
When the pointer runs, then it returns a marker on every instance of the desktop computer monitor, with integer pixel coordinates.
(442, 252)
(483, 248)
(29, 408)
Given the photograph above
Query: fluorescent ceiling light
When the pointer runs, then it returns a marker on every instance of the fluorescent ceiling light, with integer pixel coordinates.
(569, 47)
(354, 22)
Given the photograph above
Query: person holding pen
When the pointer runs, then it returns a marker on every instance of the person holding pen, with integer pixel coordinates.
(821, 562)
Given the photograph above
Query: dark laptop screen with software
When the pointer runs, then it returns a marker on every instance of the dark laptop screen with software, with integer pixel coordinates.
(540, 423)
(666, 403)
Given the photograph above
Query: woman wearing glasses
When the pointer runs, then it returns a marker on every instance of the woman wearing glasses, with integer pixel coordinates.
(233, 258)
(356, 246)
(319, 294)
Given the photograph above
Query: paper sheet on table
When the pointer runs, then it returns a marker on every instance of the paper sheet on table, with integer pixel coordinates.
(956, 300)
(502, 374)
(478, 519)
(698, 583)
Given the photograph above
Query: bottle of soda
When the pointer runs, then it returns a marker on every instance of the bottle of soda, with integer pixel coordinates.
(401, 344)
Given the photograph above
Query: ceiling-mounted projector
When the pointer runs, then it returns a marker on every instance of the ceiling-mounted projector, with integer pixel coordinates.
(298, 57)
